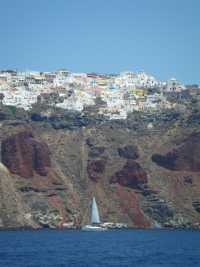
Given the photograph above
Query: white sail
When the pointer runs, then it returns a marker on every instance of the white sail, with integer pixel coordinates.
(95, 213)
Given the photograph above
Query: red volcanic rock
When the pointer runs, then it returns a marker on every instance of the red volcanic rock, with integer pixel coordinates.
(131, 175)
(41, 157)
(130, 205)
(95, 169)
(23, 155)
(185, 157)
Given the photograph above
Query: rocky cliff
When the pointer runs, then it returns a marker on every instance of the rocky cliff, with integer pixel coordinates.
(22, 155)
(185, 156)
(143, 176)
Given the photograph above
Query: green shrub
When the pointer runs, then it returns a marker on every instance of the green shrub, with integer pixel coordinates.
(13, 109)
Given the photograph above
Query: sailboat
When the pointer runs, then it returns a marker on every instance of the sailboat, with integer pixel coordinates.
(95, 219)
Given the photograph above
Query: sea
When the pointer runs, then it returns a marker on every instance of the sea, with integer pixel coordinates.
(115, 248)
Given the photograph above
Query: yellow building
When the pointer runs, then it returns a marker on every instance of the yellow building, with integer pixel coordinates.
(137, 91)
(102, 82)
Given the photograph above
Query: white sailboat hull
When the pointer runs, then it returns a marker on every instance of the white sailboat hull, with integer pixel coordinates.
(93, 228)
(95, 219)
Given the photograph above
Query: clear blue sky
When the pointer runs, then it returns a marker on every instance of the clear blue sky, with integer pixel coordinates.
(161, 37)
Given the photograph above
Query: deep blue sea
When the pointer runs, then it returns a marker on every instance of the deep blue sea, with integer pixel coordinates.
(124, 248)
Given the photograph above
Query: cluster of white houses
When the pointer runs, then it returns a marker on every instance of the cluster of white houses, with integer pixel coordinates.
(121, 93)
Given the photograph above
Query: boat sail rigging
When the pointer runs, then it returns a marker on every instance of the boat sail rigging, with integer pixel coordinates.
(95, 223)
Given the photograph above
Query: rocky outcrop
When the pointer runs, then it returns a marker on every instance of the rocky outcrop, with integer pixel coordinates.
(131, 175)
(167, 161)
(96, 151)
(196, 205)
(185, 157)
(158, 209)
(129, 203)
(22, 154)
(128, 152)
(95, 169)
(188, 179)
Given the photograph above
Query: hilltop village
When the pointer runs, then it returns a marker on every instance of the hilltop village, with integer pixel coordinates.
(119, 94)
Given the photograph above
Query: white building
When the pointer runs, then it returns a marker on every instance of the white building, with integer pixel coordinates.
(173, 85)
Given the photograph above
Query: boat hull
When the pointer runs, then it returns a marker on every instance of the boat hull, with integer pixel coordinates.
(93, 228)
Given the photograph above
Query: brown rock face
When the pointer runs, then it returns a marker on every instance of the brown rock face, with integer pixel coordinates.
(185, 157)
(23, 155)
(129, 152)
(96, 151)
(95, 169)
(129, 203)
(131, 175)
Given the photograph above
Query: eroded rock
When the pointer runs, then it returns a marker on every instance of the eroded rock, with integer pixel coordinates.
(95, 169)
(131, 175)
(128, 152)
(185, 157)
(96, 151)
(22, 154)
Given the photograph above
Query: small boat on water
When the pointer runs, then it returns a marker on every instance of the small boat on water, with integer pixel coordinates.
(95, 219)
